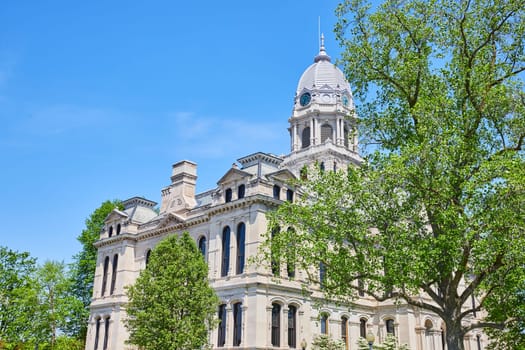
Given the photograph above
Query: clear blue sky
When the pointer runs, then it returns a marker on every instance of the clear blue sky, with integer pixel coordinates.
(99, 98)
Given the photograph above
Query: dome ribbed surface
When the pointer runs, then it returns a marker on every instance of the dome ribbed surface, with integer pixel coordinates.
(321, 73)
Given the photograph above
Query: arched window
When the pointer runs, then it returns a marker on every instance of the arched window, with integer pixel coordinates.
(289, 195)
(241, 191)
(110, 233)
(225, 251)
(228, 195)
(274, 259)
(390, 329)
(335, 167)
(344, 330)
(118, 229)
(324, 323)
(362, 327)
(97, 332)
(443, 337)
(148, 254)
(292, 326)
(290, 258)
(202, 246)
(361, 286)
(276, 324)
(276, 192)
(429, 336)
(305, 137)
(221, 332)
(105, 275)
(326, 132)
(478, 341)
(322, 167)
(237, 324)
(114, 274)
(322, 274)
(346, 136)
(241, 237)
(106, 334)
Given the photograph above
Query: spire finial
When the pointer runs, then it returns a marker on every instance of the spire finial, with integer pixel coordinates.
(322, 56)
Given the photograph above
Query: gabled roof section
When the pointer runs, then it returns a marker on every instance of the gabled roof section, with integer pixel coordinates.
(283, 175)
(116, 215)
(232, 175)
(170, 219)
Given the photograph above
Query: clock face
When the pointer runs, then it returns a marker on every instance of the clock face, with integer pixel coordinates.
(305, 99)
(345, 100)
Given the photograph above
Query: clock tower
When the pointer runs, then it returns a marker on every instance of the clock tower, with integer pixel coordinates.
(323, 122)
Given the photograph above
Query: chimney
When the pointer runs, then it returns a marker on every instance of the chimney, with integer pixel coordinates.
(179, 197)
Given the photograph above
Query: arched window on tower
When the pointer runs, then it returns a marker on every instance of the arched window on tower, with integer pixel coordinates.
(225, 251)
(326, 132)
(118, 229)
(241, 237)
(110, 233)
(305, 137)
(292, 326)
(114, 274)
(276, 325)
(105, 275)
(202, 246)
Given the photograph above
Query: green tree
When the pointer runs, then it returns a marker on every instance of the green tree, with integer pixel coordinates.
(390, 343)
(325, 342)
(439, 205)
(17, 295)
(55, 303)
(83, 268)
(171, 305)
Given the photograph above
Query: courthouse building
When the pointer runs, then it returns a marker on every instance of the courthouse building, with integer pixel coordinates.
(257, 309)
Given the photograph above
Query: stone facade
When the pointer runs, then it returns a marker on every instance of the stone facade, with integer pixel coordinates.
(229, 223)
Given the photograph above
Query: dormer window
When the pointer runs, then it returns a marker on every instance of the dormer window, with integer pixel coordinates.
(241, 191)
(289, 195)
(276, 192)
(228, 195)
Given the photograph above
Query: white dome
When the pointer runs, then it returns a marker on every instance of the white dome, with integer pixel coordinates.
(321, 73)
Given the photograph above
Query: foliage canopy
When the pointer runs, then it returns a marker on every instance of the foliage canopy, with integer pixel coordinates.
(439, 204)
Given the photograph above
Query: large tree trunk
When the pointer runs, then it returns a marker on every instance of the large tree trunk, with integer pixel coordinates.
(454, 338)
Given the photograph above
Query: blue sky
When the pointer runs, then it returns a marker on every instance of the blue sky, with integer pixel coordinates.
(99, 99)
